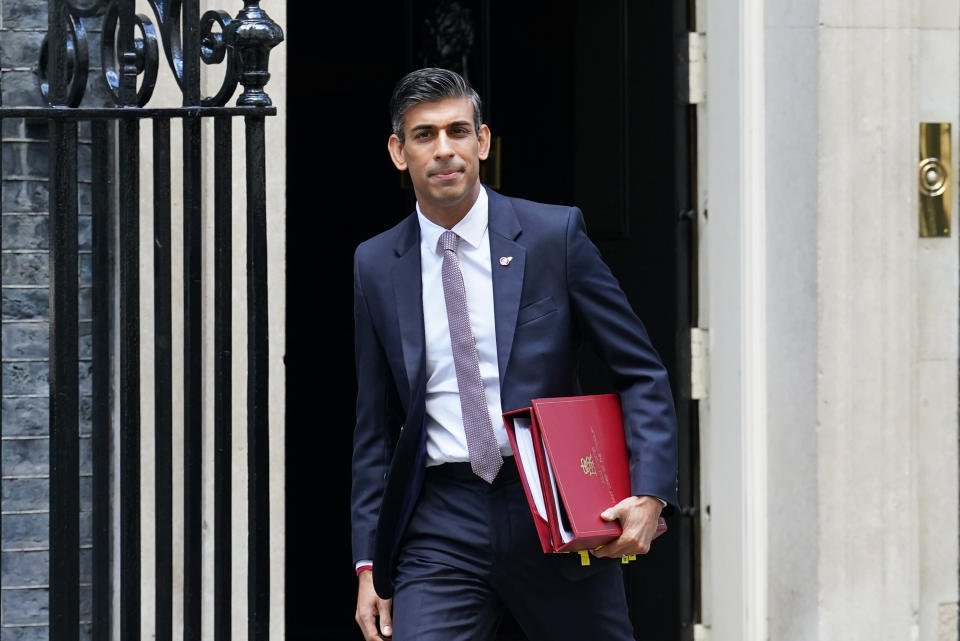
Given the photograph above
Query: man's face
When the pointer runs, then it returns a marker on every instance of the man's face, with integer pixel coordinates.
(442, 149)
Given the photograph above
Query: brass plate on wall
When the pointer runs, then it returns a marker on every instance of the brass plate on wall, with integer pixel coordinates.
(935, 180)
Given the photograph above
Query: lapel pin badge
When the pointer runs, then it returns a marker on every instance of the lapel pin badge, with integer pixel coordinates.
(505, 260)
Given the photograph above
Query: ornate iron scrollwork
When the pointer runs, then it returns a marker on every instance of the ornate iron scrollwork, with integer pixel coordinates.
(214, 49)
(167, 13)
(147, 58)
(78, 62)
(242, 43)
(87, 8)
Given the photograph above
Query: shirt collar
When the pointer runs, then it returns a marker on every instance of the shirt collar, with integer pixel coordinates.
(471, 227)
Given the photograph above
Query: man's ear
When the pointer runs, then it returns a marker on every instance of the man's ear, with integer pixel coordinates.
(395, 147)
(484, 138)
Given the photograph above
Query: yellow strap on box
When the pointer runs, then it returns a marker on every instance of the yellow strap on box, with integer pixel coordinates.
(584, 557)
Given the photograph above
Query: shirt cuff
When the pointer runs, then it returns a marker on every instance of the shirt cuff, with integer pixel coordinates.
(662, 502)
(364, 564)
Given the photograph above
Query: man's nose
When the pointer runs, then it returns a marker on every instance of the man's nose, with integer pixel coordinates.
(443, 149)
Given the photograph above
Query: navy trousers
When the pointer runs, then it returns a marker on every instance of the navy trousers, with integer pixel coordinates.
(471, 550)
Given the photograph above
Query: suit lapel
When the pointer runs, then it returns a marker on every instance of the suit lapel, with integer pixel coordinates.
(408, 297)
(507, 279)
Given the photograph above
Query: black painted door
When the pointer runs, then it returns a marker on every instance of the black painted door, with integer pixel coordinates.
(582, 100)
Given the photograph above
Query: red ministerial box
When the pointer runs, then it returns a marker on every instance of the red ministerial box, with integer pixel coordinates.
(573, 462)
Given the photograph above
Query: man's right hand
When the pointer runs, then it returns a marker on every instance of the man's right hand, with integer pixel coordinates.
(370, 606)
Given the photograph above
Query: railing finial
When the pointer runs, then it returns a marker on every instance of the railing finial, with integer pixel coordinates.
(252, 35)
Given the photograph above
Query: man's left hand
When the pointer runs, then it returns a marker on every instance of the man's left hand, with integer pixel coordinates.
(638, 518)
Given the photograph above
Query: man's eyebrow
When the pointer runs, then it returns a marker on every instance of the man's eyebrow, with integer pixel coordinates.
(458, 123)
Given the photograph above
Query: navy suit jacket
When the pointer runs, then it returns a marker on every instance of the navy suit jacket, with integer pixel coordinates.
(555, 292)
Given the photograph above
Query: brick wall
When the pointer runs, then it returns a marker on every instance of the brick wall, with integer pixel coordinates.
(25, 435)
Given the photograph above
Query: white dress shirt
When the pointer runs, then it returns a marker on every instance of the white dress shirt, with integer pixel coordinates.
(446, 440)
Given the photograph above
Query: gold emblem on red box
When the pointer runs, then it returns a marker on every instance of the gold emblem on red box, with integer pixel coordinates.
(588, 466)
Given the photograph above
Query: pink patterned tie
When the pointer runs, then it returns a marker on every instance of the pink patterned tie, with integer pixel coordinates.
(485, 458)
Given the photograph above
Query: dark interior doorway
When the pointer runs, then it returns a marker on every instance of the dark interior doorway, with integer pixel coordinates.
(582, 99)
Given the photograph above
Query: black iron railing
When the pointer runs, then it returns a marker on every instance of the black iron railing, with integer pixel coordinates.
(130, 54)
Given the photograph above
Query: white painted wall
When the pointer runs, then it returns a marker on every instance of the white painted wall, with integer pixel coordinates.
(857, 316)
(888, 334)
(726, 601)
(867, 335)
(792, 40)
(936, 71)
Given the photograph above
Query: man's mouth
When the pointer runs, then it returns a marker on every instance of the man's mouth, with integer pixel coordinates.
(446, 174)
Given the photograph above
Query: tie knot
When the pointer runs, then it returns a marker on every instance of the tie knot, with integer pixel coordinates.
(448, 241)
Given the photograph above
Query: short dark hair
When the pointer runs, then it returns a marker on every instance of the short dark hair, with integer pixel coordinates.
(430, 85)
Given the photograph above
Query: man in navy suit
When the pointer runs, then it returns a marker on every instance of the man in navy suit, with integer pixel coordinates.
(471, 306)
